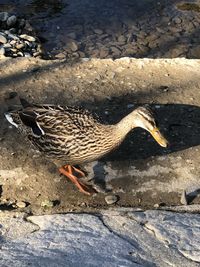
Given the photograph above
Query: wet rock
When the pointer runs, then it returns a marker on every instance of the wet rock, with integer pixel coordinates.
(111, 199)
(22, 23)
(121, 39)
(20, 46)
(98, 31)
(60, 56)
(71, 35)
(195, 52)
(11, 21)
(177, 20)
(3, 16)
(2, 51)
(3, 39)
(73, 46)
(104, 52)
(116, 51)
(27, 37)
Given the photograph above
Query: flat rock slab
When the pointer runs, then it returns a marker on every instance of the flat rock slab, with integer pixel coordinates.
(139, 172)
(112, 238)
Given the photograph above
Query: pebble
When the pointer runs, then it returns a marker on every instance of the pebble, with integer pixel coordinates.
(111, 199)
(11, 21)
(184, 199)
(73, 46)
(47, 203)
(3, 16)
(2, 51)
(21, 204)
(3, 39)
(28, 37)
(98, 31)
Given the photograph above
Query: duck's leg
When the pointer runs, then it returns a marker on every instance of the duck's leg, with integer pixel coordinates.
(67, 171)
(78, 171)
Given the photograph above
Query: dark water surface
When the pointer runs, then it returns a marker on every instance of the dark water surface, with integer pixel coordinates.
(113, 28)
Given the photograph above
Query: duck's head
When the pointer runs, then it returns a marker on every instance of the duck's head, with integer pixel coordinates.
(144, 118)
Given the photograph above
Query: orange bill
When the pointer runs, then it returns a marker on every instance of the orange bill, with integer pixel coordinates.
(159, 137)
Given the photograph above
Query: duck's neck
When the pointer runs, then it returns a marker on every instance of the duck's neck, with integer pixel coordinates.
(125, 125)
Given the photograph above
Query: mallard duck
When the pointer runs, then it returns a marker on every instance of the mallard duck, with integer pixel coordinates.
(74, 135)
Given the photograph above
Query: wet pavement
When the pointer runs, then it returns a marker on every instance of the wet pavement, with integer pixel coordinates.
(113, 29)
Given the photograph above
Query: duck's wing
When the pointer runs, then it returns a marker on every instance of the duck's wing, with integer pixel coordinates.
(50, 119)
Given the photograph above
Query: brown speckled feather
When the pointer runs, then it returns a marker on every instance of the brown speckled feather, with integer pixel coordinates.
(62, 132)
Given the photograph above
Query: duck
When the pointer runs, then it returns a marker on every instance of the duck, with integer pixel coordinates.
(74, 136)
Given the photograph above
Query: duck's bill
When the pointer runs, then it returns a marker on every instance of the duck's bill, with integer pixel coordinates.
(159, 137)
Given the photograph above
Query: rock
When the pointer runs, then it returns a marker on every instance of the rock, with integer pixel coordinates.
(3, 39)
(11, 21)
(111, 199)
(121, 39)
(3, 16)
(60, 56)
(21, 204)
(2, 51)
(27, 37)
(71, 35)
(184, 199)
(195, 51)
(177, 20)
(27, 54)
(116, 51)
(47, 203)
(20, 46)
(22, 23)
(98, 31)
(7, 45)
(104, 52)
(73, 46)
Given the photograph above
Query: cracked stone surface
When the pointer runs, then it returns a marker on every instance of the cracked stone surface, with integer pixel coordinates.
(110, 238)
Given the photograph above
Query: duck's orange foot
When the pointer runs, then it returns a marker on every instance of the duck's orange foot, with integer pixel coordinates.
(67, 171)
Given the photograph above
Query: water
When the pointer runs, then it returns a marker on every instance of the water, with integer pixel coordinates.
(114, 28)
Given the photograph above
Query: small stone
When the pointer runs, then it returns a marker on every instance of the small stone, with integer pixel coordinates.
(130, 106)
(116, 51)
(27, 54)
(71, 35)
(21, 204)
(20, 46)
(28, 37)
(7, 45)
(22, 23)
(13, 30)
(60, 56)
(73, 46)
(2, 51)
(98, 31)
(195, 52)
(11, 21)
(3, 39)
(12, 36)
(184, 199)
(177, 20)
(111, 199)
(3, 16)
(20, 54)
(104, 52)
(47, 203)
(156, 206)
(121, 39)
